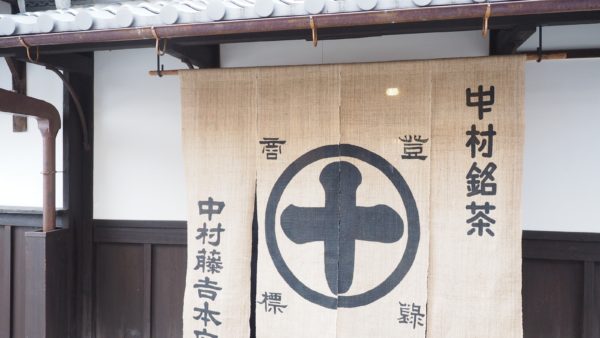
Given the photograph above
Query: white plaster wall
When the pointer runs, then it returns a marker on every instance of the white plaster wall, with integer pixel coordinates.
(138, 164)
(383, 48)
(21, 153)
(561, 182)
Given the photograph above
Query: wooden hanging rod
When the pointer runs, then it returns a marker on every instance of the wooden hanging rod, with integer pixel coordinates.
(530, 57)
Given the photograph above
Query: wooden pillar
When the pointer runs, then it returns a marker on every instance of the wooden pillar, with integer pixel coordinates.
(77, 189)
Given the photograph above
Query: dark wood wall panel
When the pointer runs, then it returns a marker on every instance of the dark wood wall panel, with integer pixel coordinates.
(5, 277)
(119, 286)
(168, 286)
(560, 284)
(18, 281)
(596, 301)
(552, 298)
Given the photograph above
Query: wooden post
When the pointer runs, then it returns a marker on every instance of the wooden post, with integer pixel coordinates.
(47, 301)
(78, 190)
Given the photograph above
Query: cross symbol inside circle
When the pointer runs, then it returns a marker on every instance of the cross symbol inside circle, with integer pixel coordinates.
(341, 223)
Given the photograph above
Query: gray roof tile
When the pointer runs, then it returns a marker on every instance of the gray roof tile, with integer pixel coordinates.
(156, 13)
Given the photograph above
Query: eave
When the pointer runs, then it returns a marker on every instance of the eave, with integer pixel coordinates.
(504, 16)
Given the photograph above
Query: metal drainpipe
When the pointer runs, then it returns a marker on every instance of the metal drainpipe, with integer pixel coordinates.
(48, 121)
(49, 172)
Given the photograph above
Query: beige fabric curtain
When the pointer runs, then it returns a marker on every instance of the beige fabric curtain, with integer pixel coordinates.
(298, 105)
(219, 130)
(387, 196)
(382, 105)
(475, 250)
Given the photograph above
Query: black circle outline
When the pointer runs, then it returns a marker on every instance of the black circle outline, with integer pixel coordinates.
(401, 186)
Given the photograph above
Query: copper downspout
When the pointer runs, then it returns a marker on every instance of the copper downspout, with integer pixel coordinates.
(49, 123)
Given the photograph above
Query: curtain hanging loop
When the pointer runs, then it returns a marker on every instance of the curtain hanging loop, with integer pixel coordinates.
(313, 29)
(486, 18)
(28, 50)
(159, 51)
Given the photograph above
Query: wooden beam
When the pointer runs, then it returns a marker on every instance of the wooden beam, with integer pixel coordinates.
(71, 62)
(507, 41)
(28, 218)
(140, 235)
(121, 223)
(561, 246)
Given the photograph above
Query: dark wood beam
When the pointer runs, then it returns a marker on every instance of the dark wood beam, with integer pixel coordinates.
(507, 41)
(29, 217)
(561, 245)
(18, 69)
(196, 55)
(71, 62)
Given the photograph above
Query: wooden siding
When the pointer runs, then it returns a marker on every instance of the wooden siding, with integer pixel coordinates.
(139, 279)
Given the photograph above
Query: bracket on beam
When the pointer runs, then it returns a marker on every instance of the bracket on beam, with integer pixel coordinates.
(72, 62)
(18, 69)
(201, 56)
(504, 42)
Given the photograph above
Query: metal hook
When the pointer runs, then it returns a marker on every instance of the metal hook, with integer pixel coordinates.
(27, 49)
(159, 67)
(313, 29)
(539, 49)
(159, 52)
(486, 18)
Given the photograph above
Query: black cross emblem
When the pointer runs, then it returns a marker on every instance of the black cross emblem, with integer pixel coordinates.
(340, 223)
